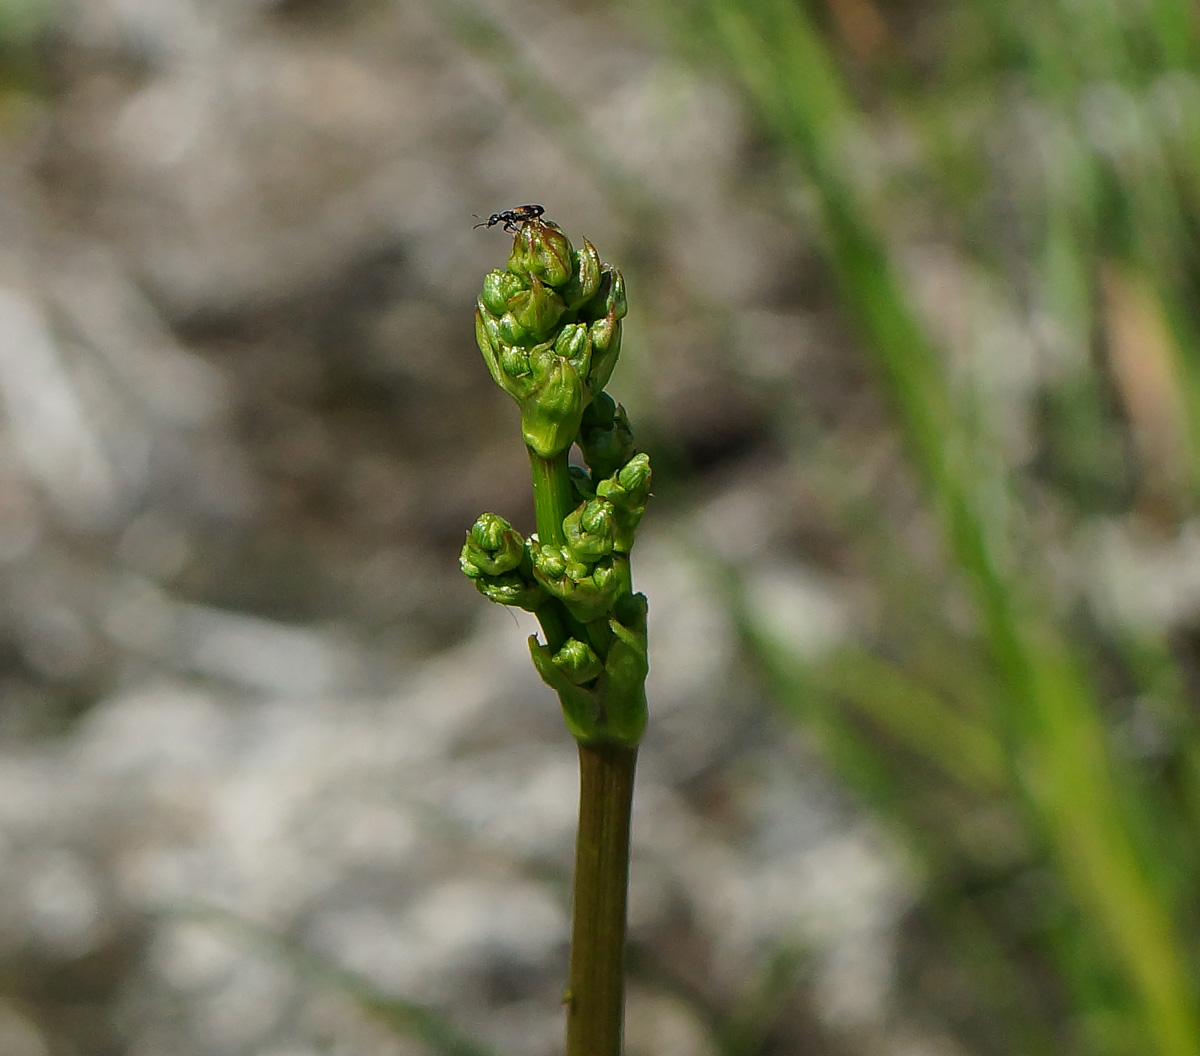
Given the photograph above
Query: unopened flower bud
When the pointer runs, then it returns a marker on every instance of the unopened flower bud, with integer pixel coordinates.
(574, 343)
(627, 492)
(532, 315)
(514, 362)
(498, 287)
(606, 348)
(634, 478)
(551, 561)
(552, 406)
(585, 278)
(587, 590)
(496, 559)
(578, 662)
(605, 437)
(493, 546)
(590, 530)
(541, 250)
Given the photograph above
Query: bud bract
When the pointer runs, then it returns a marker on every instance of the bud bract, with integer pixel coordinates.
(625, 670)
(487, 336)
(617, 305)
(581, 483)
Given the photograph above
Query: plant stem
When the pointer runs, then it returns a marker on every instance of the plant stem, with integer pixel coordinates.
(553, 497)
(596, 995)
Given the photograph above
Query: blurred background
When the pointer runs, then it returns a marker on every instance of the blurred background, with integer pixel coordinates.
(915, 299)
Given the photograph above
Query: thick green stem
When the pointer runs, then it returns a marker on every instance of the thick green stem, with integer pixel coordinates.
(596, 997)
(553, 496)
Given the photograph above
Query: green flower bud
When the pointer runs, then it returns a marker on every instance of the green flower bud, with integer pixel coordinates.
(609, 299)
(605, 437)
(541, 250)
(580, 705)
(553, 562)
(606, 348)
(585, 277)
(493, 546)
(590, 530)
(496, 557)
(627, 491)
(498, 288)
(515, 365)
(552, 406)
(587, 590)
(574, 344)
(617, 305)
(531, 316)
(577, 662)
(487, 336)
(634, 479)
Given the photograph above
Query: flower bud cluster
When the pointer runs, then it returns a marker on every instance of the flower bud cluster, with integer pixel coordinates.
(588, 573)
(549, 328)
(496, 557)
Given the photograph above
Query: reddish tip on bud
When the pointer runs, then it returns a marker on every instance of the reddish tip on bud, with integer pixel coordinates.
(541, 249)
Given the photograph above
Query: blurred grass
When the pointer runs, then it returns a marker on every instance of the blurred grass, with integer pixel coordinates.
(23, 25)
(1096, 238)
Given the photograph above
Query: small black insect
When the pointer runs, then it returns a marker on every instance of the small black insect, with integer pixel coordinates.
(522, 214)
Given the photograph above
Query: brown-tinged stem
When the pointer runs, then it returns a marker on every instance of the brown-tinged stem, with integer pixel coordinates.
(596, 995)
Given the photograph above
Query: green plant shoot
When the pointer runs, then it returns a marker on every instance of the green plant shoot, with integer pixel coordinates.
(549, 328)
